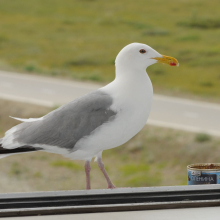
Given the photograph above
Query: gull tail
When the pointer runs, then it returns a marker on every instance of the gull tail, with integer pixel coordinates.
(22, 149)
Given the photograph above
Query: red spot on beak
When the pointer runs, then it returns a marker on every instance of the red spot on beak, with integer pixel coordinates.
(172, 64)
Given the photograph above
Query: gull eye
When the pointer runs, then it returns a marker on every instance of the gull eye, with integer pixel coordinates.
(142, 51)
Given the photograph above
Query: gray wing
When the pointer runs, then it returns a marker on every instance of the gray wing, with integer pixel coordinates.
(69, 123)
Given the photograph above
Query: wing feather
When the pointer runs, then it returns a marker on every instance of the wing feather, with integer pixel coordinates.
(65, 126)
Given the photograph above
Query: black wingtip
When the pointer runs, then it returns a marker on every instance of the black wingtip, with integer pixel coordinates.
(22, 149)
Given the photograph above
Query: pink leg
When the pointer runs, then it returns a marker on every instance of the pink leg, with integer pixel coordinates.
(87, 170)
(102, 168)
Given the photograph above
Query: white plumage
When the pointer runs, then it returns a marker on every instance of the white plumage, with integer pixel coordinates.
(101, 120)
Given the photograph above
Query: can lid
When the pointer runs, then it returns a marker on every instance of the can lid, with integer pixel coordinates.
(204, 166)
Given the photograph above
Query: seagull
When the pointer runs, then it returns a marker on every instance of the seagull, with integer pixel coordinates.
(100, 120)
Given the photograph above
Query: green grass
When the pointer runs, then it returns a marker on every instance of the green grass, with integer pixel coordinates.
(202, 137)
(80, 40)
(202, 23)
(16, 169)
(67, 164)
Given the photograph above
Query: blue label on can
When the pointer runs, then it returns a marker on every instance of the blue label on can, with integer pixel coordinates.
(200, 177)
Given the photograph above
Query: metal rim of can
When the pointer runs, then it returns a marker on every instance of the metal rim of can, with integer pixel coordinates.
(193, 166)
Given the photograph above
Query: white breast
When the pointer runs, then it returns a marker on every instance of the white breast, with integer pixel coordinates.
(132, 104)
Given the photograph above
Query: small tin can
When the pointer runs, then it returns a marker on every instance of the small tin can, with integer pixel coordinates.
(203, 173)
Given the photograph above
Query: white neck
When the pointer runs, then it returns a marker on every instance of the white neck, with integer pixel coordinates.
(130, 83)
(128, 72)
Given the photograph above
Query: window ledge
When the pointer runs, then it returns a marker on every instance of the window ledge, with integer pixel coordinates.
(107, 200)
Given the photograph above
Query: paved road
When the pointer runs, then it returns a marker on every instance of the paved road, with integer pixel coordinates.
(166, 111)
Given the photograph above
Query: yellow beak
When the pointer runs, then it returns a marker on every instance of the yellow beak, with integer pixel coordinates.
(168, 60)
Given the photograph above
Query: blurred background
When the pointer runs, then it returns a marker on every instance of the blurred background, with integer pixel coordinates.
(78, 40)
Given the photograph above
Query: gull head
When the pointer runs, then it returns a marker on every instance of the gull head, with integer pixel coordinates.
(140, 56)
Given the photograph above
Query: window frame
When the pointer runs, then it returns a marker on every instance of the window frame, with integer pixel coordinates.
(108, 200)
